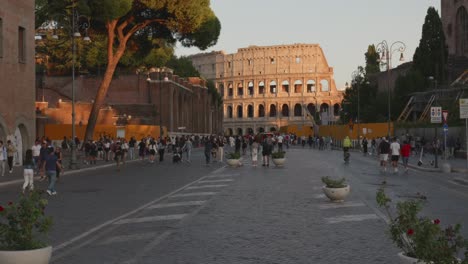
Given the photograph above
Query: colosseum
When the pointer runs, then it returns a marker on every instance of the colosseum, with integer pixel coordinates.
(268, 87)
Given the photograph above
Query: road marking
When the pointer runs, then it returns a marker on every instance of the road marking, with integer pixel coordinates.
(340, 205)
(165, 205)
(110, 222)
(126, 238)
(319, 196)
(216, 181)
(351, 218)
(150, 219)
(206, 186)
(148, 248)
(223, 175)
(193, 194)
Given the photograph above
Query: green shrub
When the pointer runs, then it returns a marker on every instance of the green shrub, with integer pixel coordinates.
(233, 155)
(331, 183)
(278, 155)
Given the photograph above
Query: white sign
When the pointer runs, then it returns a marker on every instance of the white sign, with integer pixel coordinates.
(463, 108)
(436, 114)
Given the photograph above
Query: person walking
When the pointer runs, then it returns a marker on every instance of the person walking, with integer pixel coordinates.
(395, 150)
(187, 148)
(220, 154)
(3, 158)
(384, 149)
(405, 154)
(28, 171)
(208, 147)
(50, 165)
(152, 150)
(58, 154)
(11, 150)
(36, 153)
(118, 154)
(131, 148)
(364, 146)
(161, 149)
(254, 153)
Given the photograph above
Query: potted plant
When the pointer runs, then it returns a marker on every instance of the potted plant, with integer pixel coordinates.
(422, 239)
(23, 227)
(278, 158)
(335, 190)
(233, 159)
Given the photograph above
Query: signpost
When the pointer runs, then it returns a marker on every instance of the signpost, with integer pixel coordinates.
(464, 115)
(436, 118)
(444, 119)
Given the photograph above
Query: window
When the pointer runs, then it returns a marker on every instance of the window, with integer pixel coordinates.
(261, 111)
(240, 89)
(285, 86)
(261, 88)
(273, 87)
(21, 44)
(285, 110)
(298, 59)
(272, 110)
(298, 86)
(272, 60)
(229, 64)
(249, 61)
(239, 111)
(310, 86)
(230, 90)
(229, 111)
(251, 88)
(250, 111)
(297, 110)
(324, 85)
(1, 38)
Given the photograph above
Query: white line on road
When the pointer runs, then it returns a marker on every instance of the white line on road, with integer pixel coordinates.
(150, 219)
(206, 186)
(216, 181)
(126, 238)
(340, 205)
(148, 248)
(351, 218)
(319, 196)
(193, 194)
(223, 175)
(166, 205)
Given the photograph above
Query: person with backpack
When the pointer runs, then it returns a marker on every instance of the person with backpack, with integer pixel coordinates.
(267, 147)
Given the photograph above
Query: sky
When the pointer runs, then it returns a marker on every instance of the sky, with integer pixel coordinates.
(343, 28)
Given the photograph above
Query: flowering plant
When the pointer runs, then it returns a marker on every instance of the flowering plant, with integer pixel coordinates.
(421, 237)
(24, 224)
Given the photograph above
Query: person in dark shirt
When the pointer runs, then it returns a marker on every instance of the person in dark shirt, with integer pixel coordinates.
(50, 166)
(384, 149)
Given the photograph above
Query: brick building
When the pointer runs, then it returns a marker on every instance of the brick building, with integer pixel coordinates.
(17, 118)
(265, 88)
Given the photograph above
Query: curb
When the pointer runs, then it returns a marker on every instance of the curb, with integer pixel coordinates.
(7, 183)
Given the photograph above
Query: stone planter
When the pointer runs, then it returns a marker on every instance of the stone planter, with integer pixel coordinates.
(336, 194)
(233, 162)
(409, 260)
(279, 162)
(35, 256)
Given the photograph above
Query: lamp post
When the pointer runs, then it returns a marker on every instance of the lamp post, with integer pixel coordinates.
(386, 53)
(436, 141)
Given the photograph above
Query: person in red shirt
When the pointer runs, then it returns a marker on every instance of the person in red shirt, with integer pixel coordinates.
(405, 153)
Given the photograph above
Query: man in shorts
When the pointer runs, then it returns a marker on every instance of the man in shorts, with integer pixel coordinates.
(384, 149)
(395, 150)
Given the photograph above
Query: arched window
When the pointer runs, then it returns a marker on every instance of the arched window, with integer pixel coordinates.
(336, 109)
(229, 111)
(273, 87)
(272, 110)
(285, 110)
(261, 130)
(240, 89)
(251, 88)
(230, 90)
(250, 111)
(261, 88)
(297, 110)
(272, 129)
(239, 111)
(311, 108)
(239, 131)
(229, 131)
(250, 131)
(311, 86)
(324, 85)
(324, 107)
(298, 86)
(285, 86)
(221, 89)
(261, 111)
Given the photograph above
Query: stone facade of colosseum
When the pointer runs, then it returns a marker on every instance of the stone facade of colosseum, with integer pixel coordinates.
(267, 87)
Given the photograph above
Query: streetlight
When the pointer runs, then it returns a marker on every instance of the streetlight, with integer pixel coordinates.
(386, 53)
(436, 142)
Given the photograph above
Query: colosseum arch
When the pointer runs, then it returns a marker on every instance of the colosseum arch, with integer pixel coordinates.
(336, 109)
(229, 132)
(230, 90)
(261, 87)
(239, 131)
(297, 110)
(298, 86)
(240, 111)
(272, 110)
(261, 110)
(285, 86)
(324, 107)
(324, 85)
(229, 111)
(285, 110)
(250, 111)
(273, 87)
(251, 88)
(240, 89)
(250, 131)
(311, 86)
(311, 108)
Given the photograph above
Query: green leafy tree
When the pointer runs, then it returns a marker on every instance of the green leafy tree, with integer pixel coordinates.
(183, 67)
(372, 60)
(127, 23)
(430, 57)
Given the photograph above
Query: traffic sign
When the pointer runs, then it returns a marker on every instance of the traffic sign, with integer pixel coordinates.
(445, 127)
(436, 114)
(463, 108)
(445, 116)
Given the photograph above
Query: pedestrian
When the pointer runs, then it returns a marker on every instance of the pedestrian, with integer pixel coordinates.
(383, 150)
(266, 151)
(3, 157)
(188, 146)
(125, 148)
(118, 153)
(208, 147)
(49, 168)
(161, 149)
(11, 150)
(152, 151)
(58, 154)
(373, 146)
(395, 150)
(131, 148)
(364, 146)
(405, 154)
(254, 153)
(36, 153)
(42, 157)
(28, 171)
(142, 149)
(220, 154)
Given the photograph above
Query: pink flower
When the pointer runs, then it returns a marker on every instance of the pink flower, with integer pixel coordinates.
(436, 221)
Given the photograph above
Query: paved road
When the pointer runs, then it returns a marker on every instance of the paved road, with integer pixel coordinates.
(166, 213)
